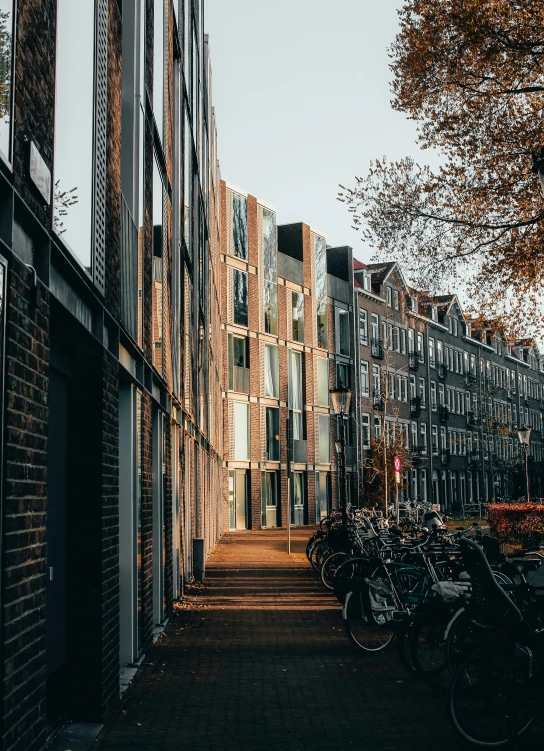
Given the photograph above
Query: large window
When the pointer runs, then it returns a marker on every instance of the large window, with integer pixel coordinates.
(238, 363)
(271, 386)
(273, 434)
(239, 225)
(270, 308)
(321, 291)
(74, 126)
(158, 65)
(363, 327)
(295, 394)
(270, 273)
(364, 379)
(297, 316)
(323, 381)
(6, 78)
(240, 297)
(324, 439)
(241, 430)
(158, 247)
(342, 334)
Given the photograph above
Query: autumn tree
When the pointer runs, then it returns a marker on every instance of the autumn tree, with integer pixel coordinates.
(379, 471)
(470, 73)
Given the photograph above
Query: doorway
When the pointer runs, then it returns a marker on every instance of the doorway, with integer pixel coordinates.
(269, 499)
(237, 499)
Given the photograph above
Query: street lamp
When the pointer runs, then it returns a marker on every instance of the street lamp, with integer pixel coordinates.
(524, 435)
(341, 400)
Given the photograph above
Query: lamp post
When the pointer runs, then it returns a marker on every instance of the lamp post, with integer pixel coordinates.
(341, 400)
(524, 435)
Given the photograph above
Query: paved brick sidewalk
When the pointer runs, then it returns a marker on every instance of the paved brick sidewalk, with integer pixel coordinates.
(258, 660)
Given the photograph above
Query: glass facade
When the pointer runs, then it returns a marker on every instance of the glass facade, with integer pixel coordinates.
(239, 226)
(6, 77)
(240, 294)
(321, 294)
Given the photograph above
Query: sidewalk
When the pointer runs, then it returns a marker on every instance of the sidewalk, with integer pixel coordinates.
(257, 660)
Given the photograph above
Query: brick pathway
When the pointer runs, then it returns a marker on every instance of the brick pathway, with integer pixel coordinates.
(257, 660)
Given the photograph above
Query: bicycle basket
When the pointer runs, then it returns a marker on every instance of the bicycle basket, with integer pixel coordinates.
(381, 596)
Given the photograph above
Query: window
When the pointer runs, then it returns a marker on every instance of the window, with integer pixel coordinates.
(391, 386)
(323, 381)
(455, 327)
(403, 341)
(296, 403)
(363, 327)
(273, 434)
(321, 291)
(240, 297)
(443, 438)
(343, 374)
(441, 394)
(364, 379)
(396, 299)
(376, 378)
(238, 363)
(365, 427)
(239, 226)
(270, 308)
(413, 427)
(241, 430)
(433, 396)
(389, 295)
(403, 389)
(411, 341)
(366, 282)
(158, 65)
(377, 426)
(6, 78)
(423, 433)
(321, 496)
(158, 250)
(324, 439)
(342, 343)
(431, 353)
(297, 316)
(271, 387)
(412, 387)
(396, 339)
(434, 438)
(74, 151)
(439, 352)
(423, 485)
(390, 343)
(375, 326)
(422, 391)
(270, 272)
(420, 349)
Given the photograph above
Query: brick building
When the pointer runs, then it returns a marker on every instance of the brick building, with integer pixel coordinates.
(455, 392)
(111, 349)
(285, 339)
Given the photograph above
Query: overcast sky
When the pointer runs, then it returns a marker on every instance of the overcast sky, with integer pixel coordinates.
(302, 97)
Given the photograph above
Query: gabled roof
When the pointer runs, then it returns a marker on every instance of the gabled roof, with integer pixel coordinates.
(358, 265)
(380, 271)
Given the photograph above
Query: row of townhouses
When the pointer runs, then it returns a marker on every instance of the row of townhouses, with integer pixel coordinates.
(167, 354)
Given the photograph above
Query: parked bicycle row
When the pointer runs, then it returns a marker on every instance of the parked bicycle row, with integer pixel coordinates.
(464, 618)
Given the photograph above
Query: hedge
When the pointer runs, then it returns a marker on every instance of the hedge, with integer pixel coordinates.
(521, 523)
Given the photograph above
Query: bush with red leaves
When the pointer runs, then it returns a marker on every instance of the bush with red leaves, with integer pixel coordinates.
(521, 523)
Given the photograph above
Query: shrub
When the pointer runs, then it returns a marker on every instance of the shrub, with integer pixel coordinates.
(521, 523)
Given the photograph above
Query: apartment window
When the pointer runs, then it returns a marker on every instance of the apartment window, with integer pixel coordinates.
(413, 430)
(432, 362)
(389, 296)
(270, 308)
(422, 391)
(238, 363)
(6, 77)
(390, 336)
(363, 327)
(159, 199)
(453, 443)
(366, 282)
(434, 438)
(74, 153)
(443, 438)
(375, 326)
(239, 226)
(364, 379)
(396, 339)
(403, 341)
(441, 394)
(439, 352)
(241, 430)
(433, 396)
(455, 327)
(321, 292)
(296, 404)
(396, 299)
(273, 434)
(411, 340)
(377, 426)
(420, 349)
(240, 297)
(158, 65)
(403, 389)
(423, 485)
(297, 316)
(423, 433)
(343, 374)
(271, 387)
(365, 426)
(391, 385)
(343, 332)
(376, 379)
(324, 439)
(323, 381)
(412, 387)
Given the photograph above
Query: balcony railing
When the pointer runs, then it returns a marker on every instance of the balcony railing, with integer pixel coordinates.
(300, 452)
(471, 379)
(378, 400)
(471, 418)
(442, 371)
(415, 406)
(377, 349)
(445, 456)
(413, 361)
(240, 380)
(290, 268)
(416, 452)
(474, 460)
(444, 413)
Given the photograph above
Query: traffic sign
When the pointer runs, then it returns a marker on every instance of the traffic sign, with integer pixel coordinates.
(397, 464)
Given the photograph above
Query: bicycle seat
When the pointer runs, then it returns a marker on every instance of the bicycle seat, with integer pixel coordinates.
(523, 566)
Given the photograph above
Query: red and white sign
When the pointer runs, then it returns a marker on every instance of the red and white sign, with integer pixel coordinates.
(397, 464)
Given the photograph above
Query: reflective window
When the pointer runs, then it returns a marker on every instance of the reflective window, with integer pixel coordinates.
(324, 439)
(6, 56)
(241, 430)
(158, 244)
(321, 290)
(323, 381)
(158, 65)
(297, 316)
(321, 496)
(239, 225)
(187, 181)
(269, 246)
(238, 363)
(74, 126)
(271, 385)
(270, 308)
(240, 297)
(273, 434)
(295, 394)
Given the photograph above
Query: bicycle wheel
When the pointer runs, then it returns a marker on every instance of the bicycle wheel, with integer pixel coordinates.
(330, 566)
(488, 703)
(370, 635)
(318, 553)
(461, 637)
(353, 568)
(428, 646)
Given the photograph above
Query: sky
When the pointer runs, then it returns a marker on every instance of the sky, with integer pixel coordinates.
(301, 90)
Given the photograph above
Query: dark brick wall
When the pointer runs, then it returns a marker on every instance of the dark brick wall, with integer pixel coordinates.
(24, 537)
